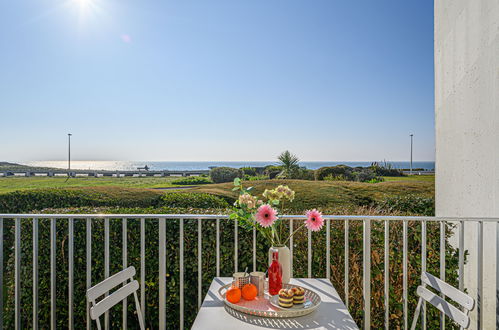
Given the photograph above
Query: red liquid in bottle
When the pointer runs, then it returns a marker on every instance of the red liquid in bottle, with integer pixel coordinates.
(275, 274)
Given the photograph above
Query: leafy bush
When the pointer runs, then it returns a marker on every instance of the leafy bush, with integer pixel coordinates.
(250, 171)
(255, 178)
(273, 171)
(304, 174)
(192, 180)
(346, 173)
(385, 169)
(409, 204)
(38, 199)
(194, 200)
(224, 174)
(339, 171)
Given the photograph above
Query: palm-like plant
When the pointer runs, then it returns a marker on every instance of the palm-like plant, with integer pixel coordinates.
(289, 164)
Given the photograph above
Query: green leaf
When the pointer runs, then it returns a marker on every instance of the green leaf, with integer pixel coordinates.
(237, 182)
(235, 189)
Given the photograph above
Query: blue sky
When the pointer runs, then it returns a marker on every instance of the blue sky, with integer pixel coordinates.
(216, 80)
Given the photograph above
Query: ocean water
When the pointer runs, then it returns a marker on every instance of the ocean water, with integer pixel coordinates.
(204, 165)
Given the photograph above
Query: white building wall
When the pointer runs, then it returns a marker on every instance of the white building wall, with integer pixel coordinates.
(467, 129)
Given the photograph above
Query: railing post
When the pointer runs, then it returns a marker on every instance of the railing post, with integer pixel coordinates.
(291, 248)
(70, 272)
(404, 272)
(200, 265)
(367, 273)
(387, 274)
(17, 274)
(1, 273)
(124, 251)
(106, 264)
(328, 249)
(143, 267)
(162, 273)
(309, 253)
(347, 255)
(181, 275)
(235, 244)
(423, 269)
(35, 273)
(218, 246)
(89, 267)
(53, 270)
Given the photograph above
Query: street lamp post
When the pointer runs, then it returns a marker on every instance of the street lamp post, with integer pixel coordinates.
(69, 151)
(411, 154)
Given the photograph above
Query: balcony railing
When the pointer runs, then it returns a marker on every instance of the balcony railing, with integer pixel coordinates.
(11, 247)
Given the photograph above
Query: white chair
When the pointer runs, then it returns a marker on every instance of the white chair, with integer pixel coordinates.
(461, 298)
(117, 296)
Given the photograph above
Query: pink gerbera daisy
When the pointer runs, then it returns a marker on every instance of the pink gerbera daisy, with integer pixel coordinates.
(314, 220)
(266, 215)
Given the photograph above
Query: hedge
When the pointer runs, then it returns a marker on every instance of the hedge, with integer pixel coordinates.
(224, 174)
(192, 180)
(37, 199)
(195, 200)
(208, 266)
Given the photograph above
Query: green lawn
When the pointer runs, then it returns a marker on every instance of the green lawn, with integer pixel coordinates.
(332, 195)
(413, 178)
(22, 183)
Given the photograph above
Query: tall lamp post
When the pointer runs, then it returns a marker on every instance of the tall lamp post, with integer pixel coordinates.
(69, 151)
(411, 154)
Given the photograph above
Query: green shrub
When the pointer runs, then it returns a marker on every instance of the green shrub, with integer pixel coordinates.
(272, 171)
(250, 171)
(193, 200)
(339, 171)
(192, 180)
(385, 169)
(410, 204)
(224, 174)
(38, 199)
(255, 178)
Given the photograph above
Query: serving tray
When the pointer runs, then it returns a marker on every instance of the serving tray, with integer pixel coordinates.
(262, 306)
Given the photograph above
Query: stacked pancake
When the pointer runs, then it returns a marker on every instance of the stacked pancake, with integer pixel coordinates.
(286, 298)
(299, 295)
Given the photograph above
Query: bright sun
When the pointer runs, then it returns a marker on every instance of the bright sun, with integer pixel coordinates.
(85, 4)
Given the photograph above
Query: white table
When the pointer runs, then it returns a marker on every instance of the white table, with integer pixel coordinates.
(331, 314)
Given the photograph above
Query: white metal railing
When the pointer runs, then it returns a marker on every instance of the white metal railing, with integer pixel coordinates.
(366, 268)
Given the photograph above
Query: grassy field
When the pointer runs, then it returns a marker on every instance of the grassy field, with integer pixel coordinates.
(412, 178)
(22, 183)
(329, 196)
(332, 195)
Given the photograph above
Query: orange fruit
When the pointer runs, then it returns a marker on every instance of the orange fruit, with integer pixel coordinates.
(249, 291)
(233, 295)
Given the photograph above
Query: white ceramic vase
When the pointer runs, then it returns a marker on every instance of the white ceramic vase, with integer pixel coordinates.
(284, 260)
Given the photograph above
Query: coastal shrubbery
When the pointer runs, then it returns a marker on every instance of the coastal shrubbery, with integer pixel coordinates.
(409, 204)
(38, 199)
(192, 180)
(347, 173)
(193, 200)
(224, 174)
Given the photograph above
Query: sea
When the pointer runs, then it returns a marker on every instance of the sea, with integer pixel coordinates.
(206, 165)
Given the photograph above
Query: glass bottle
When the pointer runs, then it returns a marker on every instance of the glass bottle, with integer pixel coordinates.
(275, 274)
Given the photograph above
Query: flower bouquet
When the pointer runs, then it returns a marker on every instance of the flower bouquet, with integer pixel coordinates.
(263, 214)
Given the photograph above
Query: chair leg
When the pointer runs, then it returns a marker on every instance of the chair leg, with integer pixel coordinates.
(98, 324)
(139, 312)
(416, 314)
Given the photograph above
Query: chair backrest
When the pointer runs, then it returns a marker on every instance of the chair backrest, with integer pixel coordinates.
(449, 291)
(117, 296)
